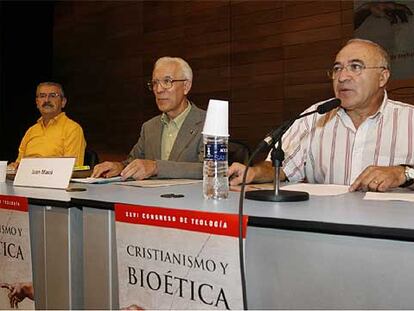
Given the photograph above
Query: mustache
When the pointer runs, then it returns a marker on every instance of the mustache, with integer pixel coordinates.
(47, 104)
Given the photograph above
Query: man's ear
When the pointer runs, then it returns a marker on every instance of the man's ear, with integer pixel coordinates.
(384, 77)
(64, 102)
(187, 86)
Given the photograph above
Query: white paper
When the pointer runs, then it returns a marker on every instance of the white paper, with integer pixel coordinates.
(312, 189)
(389, 196)
(153, 183)
(11, 171)
(318, 189)
(99, 180)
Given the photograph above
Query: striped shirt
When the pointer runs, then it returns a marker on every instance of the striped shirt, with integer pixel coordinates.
(328, 149)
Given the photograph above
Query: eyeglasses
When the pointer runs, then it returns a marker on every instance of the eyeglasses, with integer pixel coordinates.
(352, 68)
(165, 83)
(46, 95)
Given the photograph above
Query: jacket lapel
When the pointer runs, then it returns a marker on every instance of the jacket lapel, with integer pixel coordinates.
(154, 140)
(188, 132)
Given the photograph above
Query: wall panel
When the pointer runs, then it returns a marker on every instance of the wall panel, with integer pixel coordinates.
(268, 58)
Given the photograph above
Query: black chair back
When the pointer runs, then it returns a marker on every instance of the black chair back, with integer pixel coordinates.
(238, 152)
(91, 158)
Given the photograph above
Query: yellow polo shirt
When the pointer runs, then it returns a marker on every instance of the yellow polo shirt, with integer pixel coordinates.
(62, 137)
(170, 131)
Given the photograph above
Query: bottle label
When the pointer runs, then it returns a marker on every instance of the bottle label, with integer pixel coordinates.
(215, 152)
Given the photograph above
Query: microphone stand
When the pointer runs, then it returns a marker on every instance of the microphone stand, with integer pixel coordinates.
(277, 195)
(278, 156)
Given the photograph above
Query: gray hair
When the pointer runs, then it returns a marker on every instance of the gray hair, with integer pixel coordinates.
(184, 66)
(383, 52)
(58, 85)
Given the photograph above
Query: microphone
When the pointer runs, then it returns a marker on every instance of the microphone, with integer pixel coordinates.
(275, 134)
(328, 106)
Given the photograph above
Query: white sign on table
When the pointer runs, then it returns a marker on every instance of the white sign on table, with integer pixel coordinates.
(45, 172)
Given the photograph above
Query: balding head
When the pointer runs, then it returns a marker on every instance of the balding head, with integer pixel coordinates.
(385, 58)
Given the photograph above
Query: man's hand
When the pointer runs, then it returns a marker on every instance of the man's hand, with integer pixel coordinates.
(235, 173)
(140, 169)
(260, 173)
(132, 307)
(379, 178)
(18, 292)
(13, 166)
(107, 169)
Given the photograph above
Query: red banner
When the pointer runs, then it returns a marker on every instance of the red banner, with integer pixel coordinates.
(207, 222)
(14, 203)
(15, 259)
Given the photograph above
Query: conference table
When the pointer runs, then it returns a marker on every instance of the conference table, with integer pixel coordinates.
(330, 252)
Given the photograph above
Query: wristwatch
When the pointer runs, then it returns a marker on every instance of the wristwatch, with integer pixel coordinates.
(409, 175)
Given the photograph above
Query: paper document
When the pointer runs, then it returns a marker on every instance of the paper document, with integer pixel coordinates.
(252, 187)
(100, 180)
(11, 171)
(318, 189)
(312, 189)
(389, 196)
(153, 183)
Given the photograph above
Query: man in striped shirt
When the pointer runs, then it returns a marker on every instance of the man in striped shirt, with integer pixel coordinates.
(366, 143)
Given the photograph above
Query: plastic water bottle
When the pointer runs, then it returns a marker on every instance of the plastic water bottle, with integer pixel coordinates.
(215, 179)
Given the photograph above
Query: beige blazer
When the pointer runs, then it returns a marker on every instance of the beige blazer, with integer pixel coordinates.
(186, 157)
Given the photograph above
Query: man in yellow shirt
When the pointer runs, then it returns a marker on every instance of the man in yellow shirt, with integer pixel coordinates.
(54, 134)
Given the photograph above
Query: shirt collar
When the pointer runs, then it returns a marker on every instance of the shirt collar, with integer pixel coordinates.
(382, 107)
(53, 120)
(380, 111)
(178, 120)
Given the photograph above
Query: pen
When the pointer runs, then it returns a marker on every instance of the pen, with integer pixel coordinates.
(81, 168)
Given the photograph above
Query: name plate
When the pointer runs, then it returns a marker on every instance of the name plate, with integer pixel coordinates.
(45, 172)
